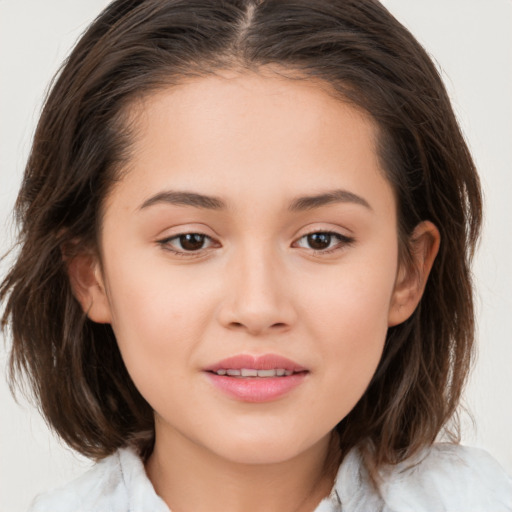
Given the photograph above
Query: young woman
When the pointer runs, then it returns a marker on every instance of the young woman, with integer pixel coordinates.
(243, 283)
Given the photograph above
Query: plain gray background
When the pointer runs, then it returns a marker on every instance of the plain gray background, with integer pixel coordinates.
(471, 40)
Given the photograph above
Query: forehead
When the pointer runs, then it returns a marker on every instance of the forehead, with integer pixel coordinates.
(284, 106)
(244, 134)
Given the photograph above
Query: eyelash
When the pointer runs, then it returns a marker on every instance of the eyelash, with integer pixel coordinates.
(343, 241)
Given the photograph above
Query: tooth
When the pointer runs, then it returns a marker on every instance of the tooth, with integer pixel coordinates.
(251, 372)
(266, 373)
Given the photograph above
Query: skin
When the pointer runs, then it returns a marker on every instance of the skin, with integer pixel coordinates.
(257, 142)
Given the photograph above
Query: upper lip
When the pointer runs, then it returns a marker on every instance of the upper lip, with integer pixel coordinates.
(263, 362)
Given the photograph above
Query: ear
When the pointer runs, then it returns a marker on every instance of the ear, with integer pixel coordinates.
(412, 275)
(88, 286)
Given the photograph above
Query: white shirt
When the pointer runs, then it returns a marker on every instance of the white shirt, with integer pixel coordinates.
(444, 478)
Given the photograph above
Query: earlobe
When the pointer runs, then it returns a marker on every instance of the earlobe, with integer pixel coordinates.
(88, 286)
(412, 275)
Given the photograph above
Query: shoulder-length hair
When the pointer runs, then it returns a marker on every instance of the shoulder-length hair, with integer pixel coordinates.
(136, 47)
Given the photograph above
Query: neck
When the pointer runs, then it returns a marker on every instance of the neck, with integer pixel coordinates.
(189, 477)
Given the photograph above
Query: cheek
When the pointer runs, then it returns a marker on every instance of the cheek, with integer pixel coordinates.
(353, 328)
(157, 328)
(354, 300)
(350, 318)
(157, 316)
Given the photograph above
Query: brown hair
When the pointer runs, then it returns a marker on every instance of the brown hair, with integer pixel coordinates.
(134, 47)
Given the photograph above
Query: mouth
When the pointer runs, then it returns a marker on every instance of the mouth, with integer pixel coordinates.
(253, 372)
(256, 379)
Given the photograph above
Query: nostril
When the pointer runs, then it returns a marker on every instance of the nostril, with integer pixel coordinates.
(258, 327)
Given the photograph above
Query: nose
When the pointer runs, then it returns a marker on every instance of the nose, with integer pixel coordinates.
(257, 298)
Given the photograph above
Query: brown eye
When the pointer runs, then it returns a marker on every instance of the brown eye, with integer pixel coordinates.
(319, 241)
(324, 242)
(192, 241)
(187, 244)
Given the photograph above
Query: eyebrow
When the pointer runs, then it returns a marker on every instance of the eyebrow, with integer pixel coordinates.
(332, 196)
(183, 198)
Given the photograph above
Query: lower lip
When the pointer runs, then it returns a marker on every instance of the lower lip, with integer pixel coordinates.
(254, 389)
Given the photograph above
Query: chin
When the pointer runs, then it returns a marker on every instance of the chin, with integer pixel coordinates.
(258, 455)
(264, 449)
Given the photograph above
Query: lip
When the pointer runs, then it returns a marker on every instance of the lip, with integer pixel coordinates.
(263, 362)
(256, 389)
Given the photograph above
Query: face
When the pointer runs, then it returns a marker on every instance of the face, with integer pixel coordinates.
(252, 234)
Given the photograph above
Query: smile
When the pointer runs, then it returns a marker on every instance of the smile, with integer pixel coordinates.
(252, 372)
(256, 379)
